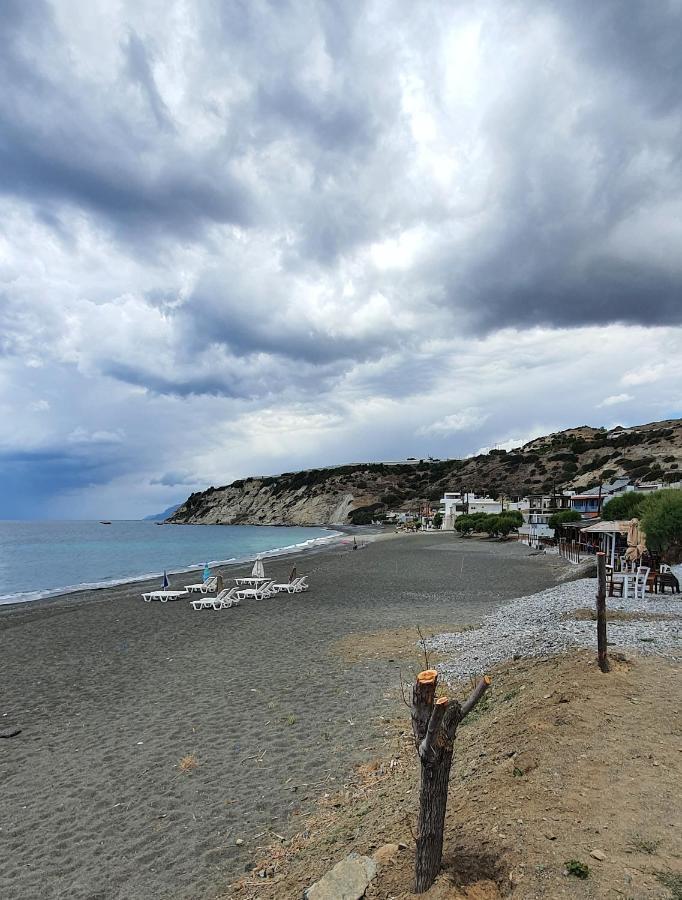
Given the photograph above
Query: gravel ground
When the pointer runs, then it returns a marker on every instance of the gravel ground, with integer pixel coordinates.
(541, 625)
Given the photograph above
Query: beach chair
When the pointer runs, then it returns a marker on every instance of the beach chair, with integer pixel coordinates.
(221, 601)
(635, 585)
(226, 599)
(257, 593)
(302, 585)
(668, 580)
(206, 587)
(290, 587)
(163, 596)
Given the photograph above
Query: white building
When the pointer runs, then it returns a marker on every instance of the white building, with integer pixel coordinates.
(455, 503)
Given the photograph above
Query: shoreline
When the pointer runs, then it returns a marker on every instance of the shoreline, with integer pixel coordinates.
(149, 581)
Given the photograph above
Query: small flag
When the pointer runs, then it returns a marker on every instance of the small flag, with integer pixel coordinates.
(166, 582)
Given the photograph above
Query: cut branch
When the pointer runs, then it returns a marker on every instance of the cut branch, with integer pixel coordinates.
(426, 748)
(422, 702)
(476, 695)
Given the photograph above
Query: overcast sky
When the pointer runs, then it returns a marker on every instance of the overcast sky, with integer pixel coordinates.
(247, 237)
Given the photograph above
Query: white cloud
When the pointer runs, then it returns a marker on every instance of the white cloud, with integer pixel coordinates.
(646, 374)
(466, 420)
(615, 399)
(83, 436)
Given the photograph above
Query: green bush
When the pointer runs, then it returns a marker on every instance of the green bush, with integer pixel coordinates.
(563, 517)
(515, 516)
(661, 520)
(625, 506)
(464, 524)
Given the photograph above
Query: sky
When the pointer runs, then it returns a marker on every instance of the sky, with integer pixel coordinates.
(248, 237)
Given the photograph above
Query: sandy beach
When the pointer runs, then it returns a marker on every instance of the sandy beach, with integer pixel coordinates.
(112, 693)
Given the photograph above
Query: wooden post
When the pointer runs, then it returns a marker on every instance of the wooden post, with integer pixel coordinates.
(434, 723)
(602, 658)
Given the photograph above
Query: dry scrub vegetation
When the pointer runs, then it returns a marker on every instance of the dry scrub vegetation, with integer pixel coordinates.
(562, 772)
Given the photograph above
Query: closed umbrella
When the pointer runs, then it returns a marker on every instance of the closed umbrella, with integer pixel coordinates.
(258, 571)
(166, 582)
(292, 575)
(636, 541)
(207, 572)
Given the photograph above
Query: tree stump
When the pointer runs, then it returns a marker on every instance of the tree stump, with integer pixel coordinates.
(434, 723)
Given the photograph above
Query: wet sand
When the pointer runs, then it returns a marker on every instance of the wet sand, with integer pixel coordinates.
(111, 693)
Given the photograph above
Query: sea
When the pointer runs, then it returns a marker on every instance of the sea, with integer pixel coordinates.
(41, 559)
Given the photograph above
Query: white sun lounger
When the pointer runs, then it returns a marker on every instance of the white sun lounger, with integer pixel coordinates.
(257, 593)
(163, 596)
(293, 587)
(206, 587)
(224, 600)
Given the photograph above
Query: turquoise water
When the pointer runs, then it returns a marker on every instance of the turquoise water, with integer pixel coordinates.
(38, 559)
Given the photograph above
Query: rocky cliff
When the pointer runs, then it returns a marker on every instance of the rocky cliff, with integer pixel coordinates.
(577, 458)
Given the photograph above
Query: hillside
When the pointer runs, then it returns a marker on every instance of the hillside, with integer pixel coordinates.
(577, 458)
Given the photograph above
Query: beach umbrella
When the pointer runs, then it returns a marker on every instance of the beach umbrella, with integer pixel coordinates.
(207, 572)
(636, 541)
(292, 575)
(166, 582)
(219, 583)
(258, 571)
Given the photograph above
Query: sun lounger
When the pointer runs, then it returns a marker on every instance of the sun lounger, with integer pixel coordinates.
(206, 587)
(163, 596)
(257, 593)
(223, 600)
(292, 587)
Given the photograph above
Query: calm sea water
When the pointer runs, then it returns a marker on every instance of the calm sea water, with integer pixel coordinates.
(42, 558)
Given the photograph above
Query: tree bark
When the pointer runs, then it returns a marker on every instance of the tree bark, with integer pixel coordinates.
(434, 723)
(602, 658)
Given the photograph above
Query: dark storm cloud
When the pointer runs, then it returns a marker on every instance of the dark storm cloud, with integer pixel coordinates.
(310, 150)
(636, 43)
(41, 475)
(61, 144)
(140, 71)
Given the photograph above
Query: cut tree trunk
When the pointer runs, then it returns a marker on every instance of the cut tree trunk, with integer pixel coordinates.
(434, 723)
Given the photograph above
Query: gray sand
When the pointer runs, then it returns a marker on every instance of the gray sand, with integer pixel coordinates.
(112, 692)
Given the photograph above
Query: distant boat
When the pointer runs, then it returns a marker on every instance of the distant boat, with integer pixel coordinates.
(104, 523)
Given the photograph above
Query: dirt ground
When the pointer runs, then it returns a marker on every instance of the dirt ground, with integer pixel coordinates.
(558, 764)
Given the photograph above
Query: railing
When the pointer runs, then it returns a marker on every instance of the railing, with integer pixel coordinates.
(574, 550)
(570, 550)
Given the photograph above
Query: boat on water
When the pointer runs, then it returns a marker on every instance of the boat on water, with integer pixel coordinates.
(102, 522)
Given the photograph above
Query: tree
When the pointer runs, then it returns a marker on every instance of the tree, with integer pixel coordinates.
(434, 724)
(515, 516)
(491, 524)
(506, 523)
(437, 520)
(464, 524)
(625, 506)
(661, 521)
(563, 517)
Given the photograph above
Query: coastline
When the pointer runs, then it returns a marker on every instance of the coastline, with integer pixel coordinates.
(112, 693)
(149, 581)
